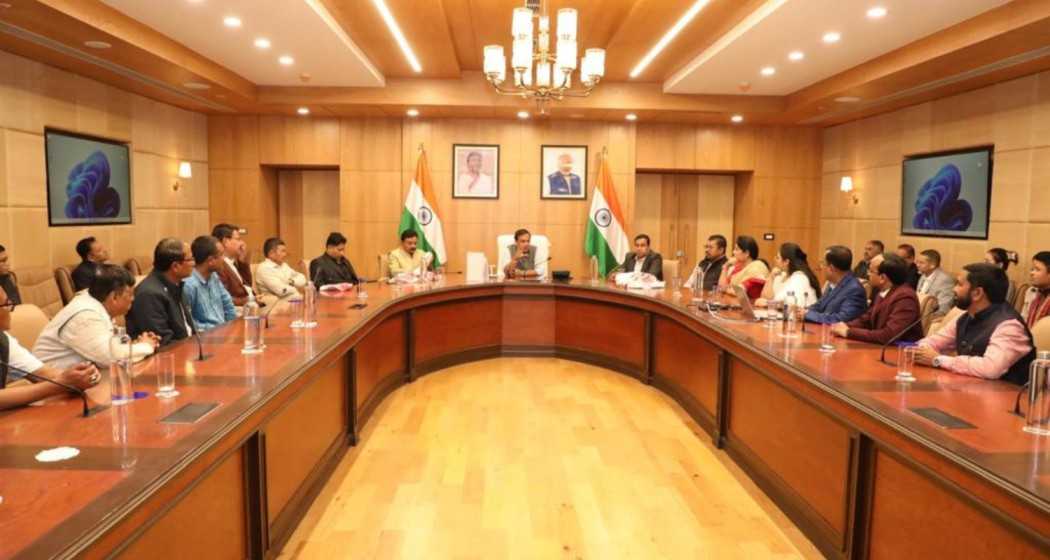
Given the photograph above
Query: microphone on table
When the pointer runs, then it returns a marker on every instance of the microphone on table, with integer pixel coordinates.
(88, 411)
(201, 356)
(882, 356)
(266, 315)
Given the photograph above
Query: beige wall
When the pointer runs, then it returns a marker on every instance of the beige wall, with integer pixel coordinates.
(33, 96)
(1014, 115)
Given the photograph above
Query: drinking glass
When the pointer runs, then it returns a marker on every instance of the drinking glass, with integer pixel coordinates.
(905, 362)
(166, 376)
(826, 344)
(773, 312)
(492, 273)
(297, 307)
(362, 291)
(120, 390)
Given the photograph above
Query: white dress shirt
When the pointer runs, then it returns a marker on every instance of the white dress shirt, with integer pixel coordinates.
(81, 332)
(798, 283)
(19, 357)
(278, 279)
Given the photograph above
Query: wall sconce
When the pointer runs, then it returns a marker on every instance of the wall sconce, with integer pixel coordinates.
(185, 172)
(846, 186)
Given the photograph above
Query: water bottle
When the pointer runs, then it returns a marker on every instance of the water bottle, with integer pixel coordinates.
(253, 334)
(120, 368)
(698, 284)
(309, 306)
(1037, 419)
(790, 321)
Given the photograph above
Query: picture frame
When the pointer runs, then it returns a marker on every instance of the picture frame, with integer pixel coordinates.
(948, 194)
(563, 173)
(88, 179)
(475, 171)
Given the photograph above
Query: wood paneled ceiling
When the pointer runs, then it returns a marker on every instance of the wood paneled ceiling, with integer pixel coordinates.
(448, 35)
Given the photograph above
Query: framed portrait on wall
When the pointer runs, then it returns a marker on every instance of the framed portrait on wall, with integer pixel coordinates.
(564, 174)
(475, 171)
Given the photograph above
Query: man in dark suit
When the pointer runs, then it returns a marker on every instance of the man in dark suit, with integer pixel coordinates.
(92, 254)
(159, 306)
(563, 181)
(894, 307)
(333, 267)
(644, 259)
(907, 252)
(844, 299)
(872, 249)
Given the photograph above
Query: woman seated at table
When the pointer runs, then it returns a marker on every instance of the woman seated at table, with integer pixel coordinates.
(791, 273)
(746, 270)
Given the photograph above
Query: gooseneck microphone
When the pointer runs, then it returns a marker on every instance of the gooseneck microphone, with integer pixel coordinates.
(882, 356)
(269, 309)
(201, 356)
(87, 411)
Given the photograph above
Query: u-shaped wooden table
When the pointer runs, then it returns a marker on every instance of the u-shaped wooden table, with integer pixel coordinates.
(832, 438)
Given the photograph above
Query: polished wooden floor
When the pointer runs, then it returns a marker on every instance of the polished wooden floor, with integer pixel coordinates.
(539, 458)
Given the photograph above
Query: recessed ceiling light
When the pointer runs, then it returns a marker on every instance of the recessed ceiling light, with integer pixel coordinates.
(737, 118)
(523, 114)
(4, 5)
(395, 30)
(832, 37)
(231, 21)
(303, 110)
(196, 85)
(668, 37)
(412, 112)
(876, 12)
(97, 44)
(631, 117)
(262, 43)
(847, 99)
(286, 60)
(796, 55)
(768, 71)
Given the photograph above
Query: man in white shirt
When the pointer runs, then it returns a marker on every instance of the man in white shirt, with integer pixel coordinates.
(82, 330)
(274, 277)
(14, 356)
(934, 281)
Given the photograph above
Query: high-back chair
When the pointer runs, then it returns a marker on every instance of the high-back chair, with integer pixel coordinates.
(543, 251)
(37, 286)
(1041, 334)
(64, 281)
(670, 267)
(928, 306)
(1022, 292)
(27, 322)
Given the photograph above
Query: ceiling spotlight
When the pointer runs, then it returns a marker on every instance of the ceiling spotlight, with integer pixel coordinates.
(4, 6)
(196, 85)
(231, 21)
(523, 114)
(796, 55)
(631, 117)
(412, 112)
(876, 12)
(286, 60)
(262, 43)
(303, 111)
(847, 99)
(768, 71)
(737, 118)
(97, 44)
(832, 37)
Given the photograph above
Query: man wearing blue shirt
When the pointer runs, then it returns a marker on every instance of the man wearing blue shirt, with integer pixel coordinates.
(844, 299)
(209, 302)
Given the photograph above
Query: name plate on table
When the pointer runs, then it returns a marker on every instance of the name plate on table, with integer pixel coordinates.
(189, 413)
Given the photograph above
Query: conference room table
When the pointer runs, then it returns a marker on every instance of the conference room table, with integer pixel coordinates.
(867, 467)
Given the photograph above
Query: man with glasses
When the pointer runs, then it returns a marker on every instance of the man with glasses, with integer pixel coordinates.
(7, 280)
(711, 265)
(843, 299)
(210, 304)
(159, 307)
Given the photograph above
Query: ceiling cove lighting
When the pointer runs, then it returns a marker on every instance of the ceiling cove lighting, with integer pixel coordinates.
(796, 56)
(412, 113)
(631, 117)
(262, 43)
(395, 30)
(97, 44)
(668, 37)
(768, 71)
(286, 60)
(832, 37)
(232, 22)
(737, 118)
(876, 12)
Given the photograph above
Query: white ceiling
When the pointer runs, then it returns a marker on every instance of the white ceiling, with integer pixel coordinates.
(297, 28)
(800, 25)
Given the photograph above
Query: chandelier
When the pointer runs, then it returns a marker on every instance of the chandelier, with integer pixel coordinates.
(538, 72)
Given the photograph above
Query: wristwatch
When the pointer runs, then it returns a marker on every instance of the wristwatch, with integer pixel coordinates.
(938, 361)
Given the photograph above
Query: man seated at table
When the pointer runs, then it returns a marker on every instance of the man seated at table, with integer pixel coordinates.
(990, 340)
(14, 356)
(333, 267)
(872, 249)
(159, 307)
(92, 253)
(712, 263)
(844, 298)
(643, 259)
(7, 280)
(1037, 298)
(236, 272)
(893, 309)
(209, 302)
(407, 258)
(82, 330)
(522, 263)
(907, 252)
(274, 277)
(935, 282)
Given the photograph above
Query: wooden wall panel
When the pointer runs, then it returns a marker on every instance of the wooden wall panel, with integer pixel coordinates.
(688, 361)
(298, 141)
(380, 354)
(805, 451)
(479, 325)
(604, 329)
(1014, 116)
(308, 210)
(290, 216)
(298, 436)
(679, 211)
(208, 522)
(528, 321)
(914, 517)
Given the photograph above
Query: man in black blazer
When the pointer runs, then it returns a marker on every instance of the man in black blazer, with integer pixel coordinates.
(644, 259)
(158, 306)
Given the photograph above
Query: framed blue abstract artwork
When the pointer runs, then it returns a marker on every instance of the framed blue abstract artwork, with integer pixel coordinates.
(88, 180)
(947, 194)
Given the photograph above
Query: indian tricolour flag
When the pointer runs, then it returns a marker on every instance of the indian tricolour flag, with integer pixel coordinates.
(421, 214)
(606, 239)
